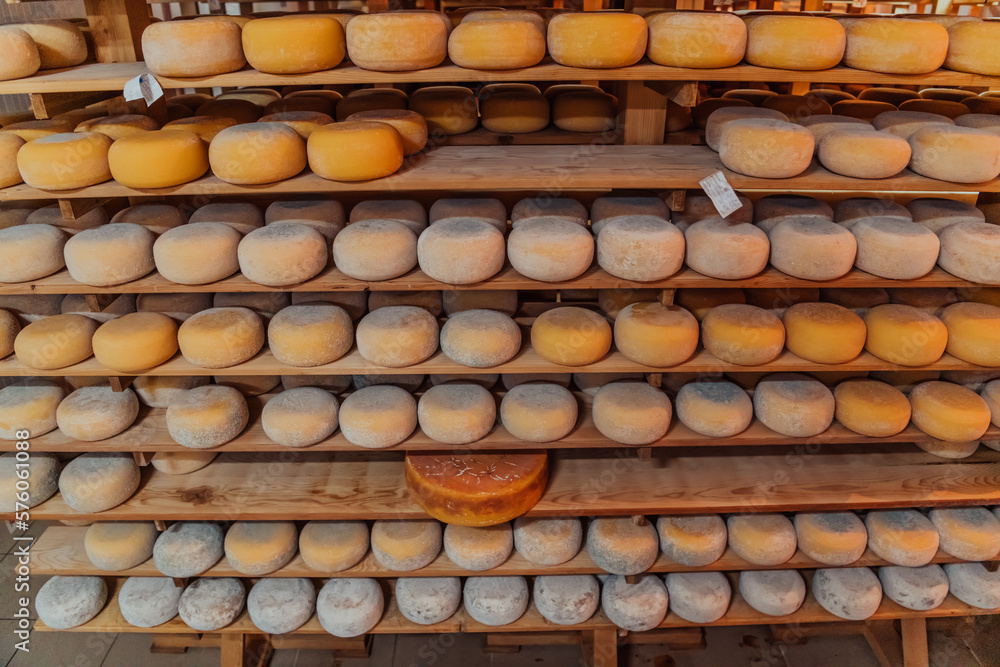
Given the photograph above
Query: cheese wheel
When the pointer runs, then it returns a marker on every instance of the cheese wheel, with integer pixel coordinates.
(695, 540)
(456, 414)
(300, 417)
(852, 593)
(822, 124)
(891, 95)
(210, 604)
(310, 335)
(823, 332)
(119, 545)
(429, 301)
(157, 218)
(375, 250)
(539, 412)
(370, 99)
(410, 125)
(476, 489)
(377, 417)
(571, 336)
(895, 249)
(178, 306)
(613, 301)
(762, 539)
(715, 409)
(29, 130)
(974, 585)
(970, 533)
(221, 337)
(404, 546)
(728, 250)
(742, 334)
(192, 48)
(774, 209)
(902, 537)
(42, 469)
(146, 602)
(695, 39)
(719, 118)
(117, 127)
(812, 249)
(632, 413)
(206, 417)
(831, 538)
(448, 110)
(9, 328)
(312, 104)
(279, 605)
(905, 123)
(478, 548)
(178, 157)
(408, 382)
(407, 211)
(793, 405)
(751, 147)
(282, 254)
(97, 481)
(954, 154)
(894, 46)
(349, 607)
(605, 208)
(428, 600)
(947, 94)
(498, 44)
(293, 44)
(905, 335)
(30, 408)
(548, 541)
(973, 332)
(698, 597)
(206, 127)
(29, 252)
(653, 334)
(65, 161)
(567, 599)
(460, 251)
(983, 108)
(135, 342)
(110, 254)
(949, 412)
(277, 153)
(640, 248)
(398, 40)
(51, 215)
(490, 211)
(499, 14)
(303, 122)
(704, 109)
(257, 548)
(797, 107)
(991, 394)
(619, 546)
(866, 110)
(248, 385)
(773, 592)
(198, 253)
(597, 39)
(794, 42)
(333, 546)
(242, 216)
(871, 408)
(480, 338)
(188, 548)
(864, 154)
(55, 342)
(243, 111)
(397, 336)
(181, 463)
(495, 601)
(635, 607)
(67, 602)
(968, 250)
(10, 144)
(59, 43)
(22, 54)
(514, 112)
(335, 151)
(917, 588)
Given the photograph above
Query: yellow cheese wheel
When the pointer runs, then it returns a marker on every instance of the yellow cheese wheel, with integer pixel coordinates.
(864, 154)
(119, 545)
(973, 47)
(601, 39)
(21, 57)
(973, 332)
(205, 127)
(10, 144)
(310, 335)
(824, 332)
(902, 537)
(261, 547)
(905, 335)
(766, 148)
(293, 44)
(135, 342)
(55, 342)
(192, 48)
(158, 159)
(742, 334)
(59, 43)
(515, 112)
(398, 41)
(65, 161)
(871, 408)
(478, 548)
(762, 539)
(969, 533)
(206, 417)
(32, 408)
(221, 337)
(831, 538)
(954, 154)
(895, 46)
(448, 110)
(794, 42)
(411, 126)
(496, 43)
(696, 39)
(117, 127)
(257, 153)
(571, 336)
(30, 130)
(333, 546)
(653, 334)
(949, 412)
(632, 413)
(355, 151)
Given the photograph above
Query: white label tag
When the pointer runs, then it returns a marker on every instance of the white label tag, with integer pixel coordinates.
(143, 87)
(721, 193)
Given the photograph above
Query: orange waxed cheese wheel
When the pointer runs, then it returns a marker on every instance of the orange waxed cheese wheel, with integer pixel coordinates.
(894, 46)
(974, 46)
(597, 39)
(496, 44)
(355, 151)
(192, 48)
(158, 159)
(257, 153)
(65, 161)
(794, 42)
(398, 41)
(294, 44)
(696, 39)
(905, 335)
(571, 336)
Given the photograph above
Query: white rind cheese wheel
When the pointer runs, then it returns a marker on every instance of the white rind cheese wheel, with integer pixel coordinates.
(188, 548)
(496, 44)
(456, 414)
(310, 335)
(774, 209)
(831, 538)
(954, 154)
(640, 248)
(773, 592)
(970, 533)
(812, 250)
(608, 207)
(428, 600)
(397, 336)
(43, 480)
(257, 548)
(894, 46)
(110, 254)
(762, 539)
(397, 41)
(597, 39)
(766, 148)
(460, 251)
(119, 545)
(635, 607)
(192, 48)
(221, 337)
(545, 541)
(21, 58)
(715, 409)
(969, 250)
(29, 252)
(278, 605)
(198, 253)
(695, 540)
(864, 154)
(495, 601)
(207, 417)
(719, 248)
(917, 588)
(567, 599)
(349, 607)
(699, 597)
(95, 482)
(279, 151)
(619, 546)
(181, 463)
(293, 44)
(794, 405)
(974, 585)
(550, 250)
(30, 408)
(146, 602)
(851, 593)
(404, 546)
(794, 42)
(478, 548)
(902, 537)
(696, 40)
(480, 338)
(300, 417)
(209, 604)
(632, 413)
(66, 602)
(375, 250)
(96, 413)
(333, 546)
(905, 123)
(895, 249)
(539, 412)
(376, 417)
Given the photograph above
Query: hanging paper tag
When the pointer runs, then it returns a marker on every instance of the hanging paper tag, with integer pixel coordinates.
(721, 193)
(143, 87)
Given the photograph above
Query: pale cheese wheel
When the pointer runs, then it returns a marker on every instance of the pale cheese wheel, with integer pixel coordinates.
(276, 152)
(895, 249)
(375, 249)
(448, 110)
(407, 211)
(206, 127)
(66, 602)
(96, 413)
(43, 474)
(772, 210)
(221, 337)
(278, 606)
(548, 541)
(22, 57)
(974, 585)
(871, 408)
(849, 212)
(146, 602)
(488, 210)
(902, 537)
(29, 407)
(542, 206)
(656, 335)
(404, 546)
(597, 39)
(823, 332)
(282, 254)
(478, 548)
(59, 43)
(696, 39)
(95, 482)
(949, 412)
(349, 607)
(10, 144)
(743, 334)
(9, 328)
(693, 540)
(376, 417)
(181, 463)
(973, 332)
(157, 218)
(864, 154)
(619, 545)
(135, 342)
(539, 412)
(480, 338)
(206, 417)
(293, 44)
(244, 217)
(456, 414)
(698, 597)
(969, 251)
(119, 545)
(988, 122)
(567, 599)
(333, 546)
(793, 405)
(335, 150)
(701, 111)
(812, 249)
(719, 248)
(640, 248)
(939, 214)
(905, 123)
(310, 335)
(894, 46)
(823, 124)
(773, 592)
(398, 40)
(110, 254)
(605, 208)
(192, 48)
(188, 548)
(55, 342)
(794, 42)
(632, 413)
(831, 538)
(851, 593)
(905, 335)
(460, 251)
(762, 539)
(571, 336)
(954, 154)
(257, 548)
(766, 148)
(428, 600)
(918, 588)
(30, 251)
(970, 533)
(197, 253)
(495, 601)
(635, 607)
(719, 118)
(397, 336)
(497, 44)
(65, 161)
(300, 417)
(715, 409)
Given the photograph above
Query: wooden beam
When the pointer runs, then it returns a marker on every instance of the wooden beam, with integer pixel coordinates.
(72, 209)
(915, 642)
(232, 650)
(642, 114)
(47, 105)
(884, 642)
(604, 652)
(142, 459)
(116, 27)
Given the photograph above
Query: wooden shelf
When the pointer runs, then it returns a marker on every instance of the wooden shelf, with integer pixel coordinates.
(110, 618)
(113, 76)
(533, 168)
(60, 550)
(149, 434)
(332, 280)
(336, 486)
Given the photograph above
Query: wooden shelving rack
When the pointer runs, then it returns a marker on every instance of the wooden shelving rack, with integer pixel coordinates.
(683, 473)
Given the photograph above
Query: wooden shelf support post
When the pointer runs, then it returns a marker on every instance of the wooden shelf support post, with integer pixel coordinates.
(116, 26)
(914, 632)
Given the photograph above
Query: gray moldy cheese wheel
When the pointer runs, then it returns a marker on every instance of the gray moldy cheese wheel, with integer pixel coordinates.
(30, 408)
(852, 593)
(718, 248)
(773, 592)
(198, 253)
(831, 538)
(974, 585)
(43, 479)
(404, 546)
(333, 546)
(111, 254)
(310, 335)
(119, 545)
(794, 405)
(917, 588)
(66, 602)
(719, 118)
(375, 250)
(955, 154)
(378, 416)
(397, 336)
(545, 541)
(699, 597)
(95, 482)
(348, 607)
(285, 253)
(715, 409)
(221, 337)
(480, 338)
(495, 600)
(300, 417)
(460, 251)
(478, 548)
(619, 546)
(209, 604)
(812, 249)
(207, 417)
(188, 548)
(550, 249)
(762, 539)
(969, 533)
(539, 412)
(29, 252)
(766, 148)
(280, 605)
(640, 247)
(456, 414)
(260, 547)
(969, 251)
(632, 413)
(428, 600)
(567, 599)
(895, 249)
(902, 537)
(635, 607)
(146, 602)
(695, 540)
(864, 154)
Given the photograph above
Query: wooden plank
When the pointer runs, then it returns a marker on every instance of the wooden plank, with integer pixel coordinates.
(71, 209)
(47, 105)
(332, 279)
(336, 486)
(548, 137)
(914, 631)
(60, 551)
(116, 27)
(642, 114)
(232, 649)
(884, 642)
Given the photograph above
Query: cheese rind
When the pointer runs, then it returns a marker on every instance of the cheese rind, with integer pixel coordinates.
(656, 335)
(871, 408)
(620, 546)
(221, 337)
(355, 150)
(973, 332)
(65, 161)
(21, 57)
(635, 607)
(257, 153)
(743, 334)
(766, 148)
(894, 46)
(398, 40)
(969, 251)
(59, 43)
(135, 342)
(955, 154)
(632, 413)
(949, 412)
(95, 482)
(793, 405)
(497, 44)
(376, 417)
(285, 253)
(571, 336)
(696, 39)
(831, 538)
(206, 417)
(192, 48)
(794, 42)
(597, 39)
(905, 335)
(293, 44)
(695, 540)
(902, 537)
(823, 332)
